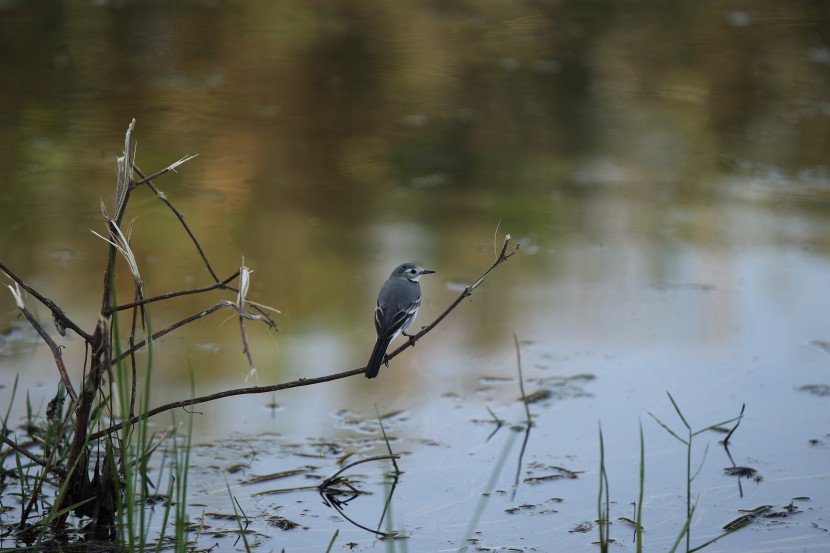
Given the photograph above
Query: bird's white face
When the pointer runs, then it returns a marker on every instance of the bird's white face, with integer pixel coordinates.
(412, 271)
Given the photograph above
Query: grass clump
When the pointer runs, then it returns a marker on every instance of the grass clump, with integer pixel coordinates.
(686, 436)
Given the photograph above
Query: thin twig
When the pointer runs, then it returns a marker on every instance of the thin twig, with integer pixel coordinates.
(227, 393)
(734, 428)
(179, 214)
(241, 300)
(177, 293)
(246, 349)
(328, 481)
(203, 313)
(25, 452)
(56, 350)
(57, 312)
(466, 293)
(171, 328)
(172, 167)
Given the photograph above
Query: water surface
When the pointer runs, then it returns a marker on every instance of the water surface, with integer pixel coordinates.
(664, 169)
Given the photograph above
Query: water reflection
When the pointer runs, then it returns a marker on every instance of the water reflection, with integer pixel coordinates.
(663, 166)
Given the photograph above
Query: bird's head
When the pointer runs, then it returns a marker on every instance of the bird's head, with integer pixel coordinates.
(410, 271)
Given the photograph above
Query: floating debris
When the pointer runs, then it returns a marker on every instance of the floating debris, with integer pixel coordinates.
(281, 522)
(524, 507)
(538, 395)
(821, 390)
(741, 472)
(821, 344)
(748, 516)
(562, 472)
(582, 528)
(274, 476)
(630, 522)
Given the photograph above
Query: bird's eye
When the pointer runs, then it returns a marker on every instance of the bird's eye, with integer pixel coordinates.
(413, 271)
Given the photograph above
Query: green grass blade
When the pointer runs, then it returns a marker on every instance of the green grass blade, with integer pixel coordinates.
(238, 519)
(331, 542)
(8, 413)
(603, 499)
(679, 412)
(683, 532)
(666, 427)
(714, 426)
(639, 516)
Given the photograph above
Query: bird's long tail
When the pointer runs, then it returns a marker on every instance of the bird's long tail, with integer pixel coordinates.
(375, 361)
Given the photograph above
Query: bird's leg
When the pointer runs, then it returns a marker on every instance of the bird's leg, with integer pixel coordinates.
(412, 338)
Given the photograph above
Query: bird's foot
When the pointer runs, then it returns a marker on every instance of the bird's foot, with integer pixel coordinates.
(412, 338)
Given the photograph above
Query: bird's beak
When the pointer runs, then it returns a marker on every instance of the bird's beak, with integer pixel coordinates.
(426, 272)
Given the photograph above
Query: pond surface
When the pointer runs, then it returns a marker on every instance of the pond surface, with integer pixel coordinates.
(664, 169)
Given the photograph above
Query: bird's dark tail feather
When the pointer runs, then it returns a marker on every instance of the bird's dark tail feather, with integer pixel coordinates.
(375, 361)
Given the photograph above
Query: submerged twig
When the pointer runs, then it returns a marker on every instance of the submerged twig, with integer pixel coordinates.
(327, 482)
(497, 421)
(395, 476)
(386, 441)
(734, 428)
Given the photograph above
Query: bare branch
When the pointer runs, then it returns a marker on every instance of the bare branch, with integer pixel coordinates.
(57, 312)
(56, 350)
(171, 328)
(241, 299)
(227, 393)
(468, 291)
(168, 295)
(172, 167)
(180, 215)
(25, 452)
(203, 313)
(504, 256)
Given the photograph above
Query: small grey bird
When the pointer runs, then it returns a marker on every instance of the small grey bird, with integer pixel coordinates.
(398, 303)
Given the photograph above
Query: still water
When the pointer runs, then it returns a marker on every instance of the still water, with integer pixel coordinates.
(663, 167)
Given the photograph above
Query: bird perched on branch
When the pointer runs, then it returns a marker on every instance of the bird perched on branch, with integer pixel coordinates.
(398, 303)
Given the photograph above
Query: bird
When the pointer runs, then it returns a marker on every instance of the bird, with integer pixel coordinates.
(397, 306)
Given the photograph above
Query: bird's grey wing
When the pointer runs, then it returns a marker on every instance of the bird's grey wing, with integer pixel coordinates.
(400, 319)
